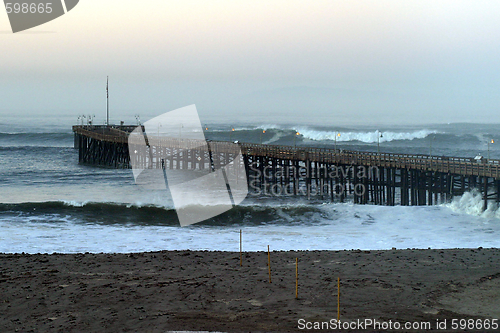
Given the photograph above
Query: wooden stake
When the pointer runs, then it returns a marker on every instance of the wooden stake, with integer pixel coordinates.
(269, 262)
(241, 255)
(296, 277)
(338, 299)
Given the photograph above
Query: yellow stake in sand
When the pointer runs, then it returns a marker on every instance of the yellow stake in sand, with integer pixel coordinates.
(296, 277)
(241, 255)
(269, 262)
(338, 299)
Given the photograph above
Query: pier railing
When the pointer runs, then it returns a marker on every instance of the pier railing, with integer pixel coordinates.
(445, 164)
(118, 134)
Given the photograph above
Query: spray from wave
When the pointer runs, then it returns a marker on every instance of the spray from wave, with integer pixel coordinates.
(471, 203)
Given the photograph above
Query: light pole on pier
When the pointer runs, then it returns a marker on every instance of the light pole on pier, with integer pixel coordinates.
(90, 119)
(337, 134)
(295, 139)
(263, 132)
(158, 147)
(230, 133)
(379, 135)
(107, 100)
(490, 141)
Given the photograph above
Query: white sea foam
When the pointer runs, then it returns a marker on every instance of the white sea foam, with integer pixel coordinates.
(329, 227)
(366, 137)
(73, 203)
(472, 203)
(345, 136)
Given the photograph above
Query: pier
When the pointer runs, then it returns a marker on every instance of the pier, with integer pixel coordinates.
(328, 174)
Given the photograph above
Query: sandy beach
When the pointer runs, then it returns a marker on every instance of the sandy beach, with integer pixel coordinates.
(209, 291)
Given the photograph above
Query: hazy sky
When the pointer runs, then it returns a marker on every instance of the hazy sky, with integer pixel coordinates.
(338, 61)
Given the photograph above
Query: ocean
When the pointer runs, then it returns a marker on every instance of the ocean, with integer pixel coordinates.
(49, 203)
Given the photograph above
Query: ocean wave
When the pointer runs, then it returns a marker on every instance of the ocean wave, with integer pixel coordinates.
(346, 135)
(471, 203)
(53, 206)
(285, 135)
(366, 137)
(36, 134)
(330, 226)
(90, 212)
(147, 214)
(42, 139)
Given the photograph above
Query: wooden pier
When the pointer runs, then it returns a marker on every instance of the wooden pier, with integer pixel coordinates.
(326, 174)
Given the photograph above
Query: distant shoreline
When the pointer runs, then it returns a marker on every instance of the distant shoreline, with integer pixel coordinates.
(208, 290)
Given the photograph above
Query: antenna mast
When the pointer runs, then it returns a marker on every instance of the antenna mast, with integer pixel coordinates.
(107, 101)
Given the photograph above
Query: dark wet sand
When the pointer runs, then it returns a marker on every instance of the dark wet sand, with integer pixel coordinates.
(189, 290)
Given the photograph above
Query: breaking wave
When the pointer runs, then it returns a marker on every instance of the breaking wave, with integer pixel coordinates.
(366, 137)
(472, 203)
